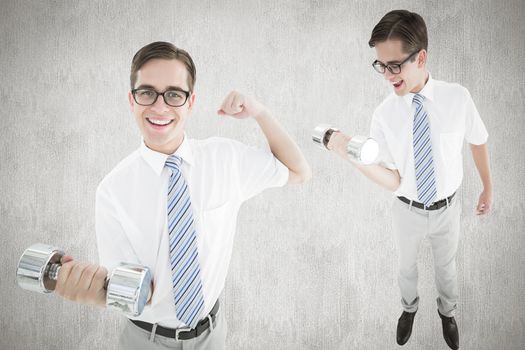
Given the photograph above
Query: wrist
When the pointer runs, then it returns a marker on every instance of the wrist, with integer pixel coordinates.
(263, 113)
(487, 187)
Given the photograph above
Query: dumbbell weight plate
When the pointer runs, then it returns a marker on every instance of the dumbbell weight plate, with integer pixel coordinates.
(128, 288)
(321, 135)
(363, 149)
(30, 274)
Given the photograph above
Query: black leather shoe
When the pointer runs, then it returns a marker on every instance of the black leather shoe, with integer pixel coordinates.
(404, 327)
(450, 331)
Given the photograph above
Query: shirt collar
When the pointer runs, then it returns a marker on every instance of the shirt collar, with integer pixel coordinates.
(427, 91)
(156, 160)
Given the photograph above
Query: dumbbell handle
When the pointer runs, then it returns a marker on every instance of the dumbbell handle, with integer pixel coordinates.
(327, 136)
(53, 269)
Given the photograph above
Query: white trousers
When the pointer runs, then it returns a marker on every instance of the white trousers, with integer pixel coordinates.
(441, 227)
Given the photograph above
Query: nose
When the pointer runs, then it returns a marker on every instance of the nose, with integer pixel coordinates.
(159, 105)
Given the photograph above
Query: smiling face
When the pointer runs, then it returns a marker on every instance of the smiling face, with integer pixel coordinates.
(161, 125)
(413, 75)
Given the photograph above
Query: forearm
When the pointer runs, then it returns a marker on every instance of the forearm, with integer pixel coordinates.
(480, 153)
(284, 148)
(386, 178)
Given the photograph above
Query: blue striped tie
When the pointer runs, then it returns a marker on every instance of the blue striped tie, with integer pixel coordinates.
(424, 164)
(184, 257)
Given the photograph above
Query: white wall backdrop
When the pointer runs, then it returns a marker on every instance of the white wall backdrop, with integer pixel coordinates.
(314, 266)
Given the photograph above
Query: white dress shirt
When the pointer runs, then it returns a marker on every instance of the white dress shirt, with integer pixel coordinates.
(452, 117)
(131, 217)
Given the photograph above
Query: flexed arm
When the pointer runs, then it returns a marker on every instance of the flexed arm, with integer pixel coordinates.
(281, 144)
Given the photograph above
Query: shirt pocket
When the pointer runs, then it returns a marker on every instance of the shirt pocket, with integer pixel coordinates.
(451, 144)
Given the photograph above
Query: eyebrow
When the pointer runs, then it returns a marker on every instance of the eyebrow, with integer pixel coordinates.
(389, 62)
(146, 86)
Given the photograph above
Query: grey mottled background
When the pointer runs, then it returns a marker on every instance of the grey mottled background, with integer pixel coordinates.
(314, 266)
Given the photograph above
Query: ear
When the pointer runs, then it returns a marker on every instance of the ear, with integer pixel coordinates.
(191, 101)
(131, 100)
(422, 58)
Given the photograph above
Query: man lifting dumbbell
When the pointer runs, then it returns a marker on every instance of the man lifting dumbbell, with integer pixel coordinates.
(420, 129)
(172, 205)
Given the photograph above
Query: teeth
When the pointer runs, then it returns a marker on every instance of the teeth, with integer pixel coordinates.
(159, 121)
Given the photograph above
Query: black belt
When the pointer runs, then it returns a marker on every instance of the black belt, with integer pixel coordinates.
(182, 333)
(434, 206)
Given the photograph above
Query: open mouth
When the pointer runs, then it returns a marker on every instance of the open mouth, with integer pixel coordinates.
(159, 122)
(398, 84)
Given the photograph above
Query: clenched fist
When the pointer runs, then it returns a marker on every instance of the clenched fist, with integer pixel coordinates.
(338, 143)
(241, 106)
(81, 282)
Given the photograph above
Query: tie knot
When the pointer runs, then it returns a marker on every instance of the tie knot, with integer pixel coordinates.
(418, 99)
(173, 162)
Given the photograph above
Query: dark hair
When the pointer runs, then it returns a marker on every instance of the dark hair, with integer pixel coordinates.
(163, 50)
(409, 27)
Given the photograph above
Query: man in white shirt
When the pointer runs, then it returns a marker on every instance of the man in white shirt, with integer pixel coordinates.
(172, 205)
(420, 130)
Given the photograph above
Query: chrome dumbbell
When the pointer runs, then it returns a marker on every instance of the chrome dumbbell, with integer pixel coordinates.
(360, 148)
(127, 288)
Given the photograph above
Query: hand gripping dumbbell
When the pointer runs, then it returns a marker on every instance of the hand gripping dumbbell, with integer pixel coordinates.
(362, 149)
(127, 288)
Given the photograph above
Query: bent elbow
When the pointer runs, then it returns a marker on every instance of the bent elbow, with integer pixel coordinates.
(396, 182)
(393, 187)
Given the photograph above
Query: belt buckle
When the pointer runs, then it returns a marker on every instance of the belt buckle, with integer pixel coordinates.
(179, 330)
(434, 205)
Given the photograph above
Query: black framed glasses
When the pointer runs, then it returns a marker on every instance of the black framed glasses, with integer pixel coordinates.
(173, 97)
(394, 68)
